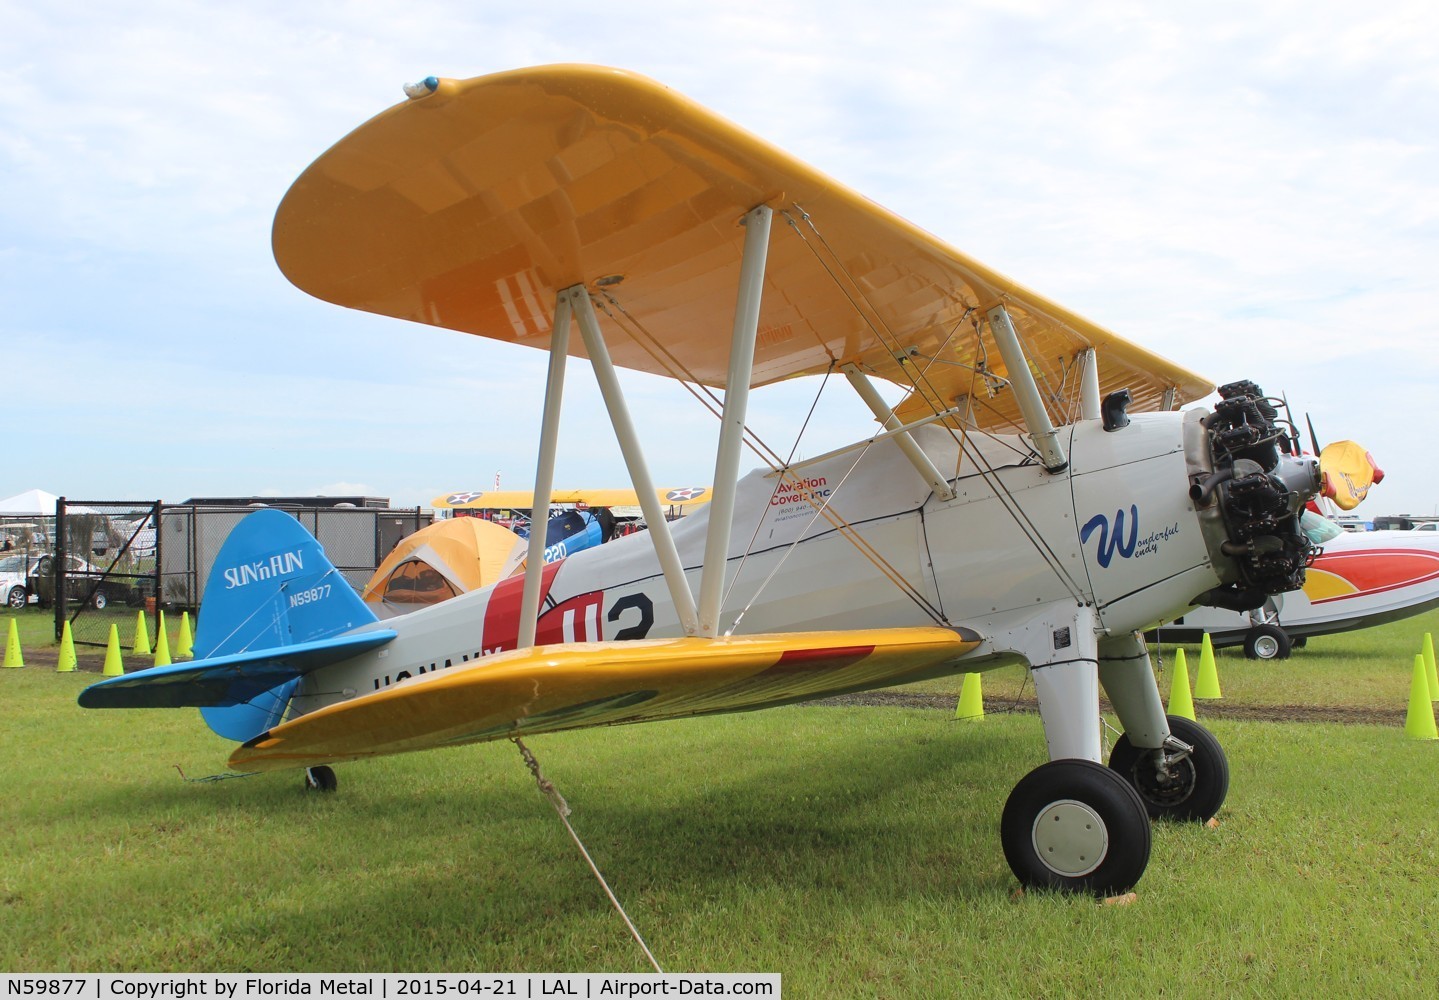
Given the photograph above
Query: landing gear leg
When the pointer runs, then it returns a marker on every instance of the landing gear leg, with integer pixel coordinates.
(321, 779)
(1175, 765)
(1187, 779)
(1073, 824)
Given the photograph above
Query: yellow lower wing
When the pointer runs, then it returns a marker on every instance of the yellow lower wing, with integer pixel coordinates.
(574, 685)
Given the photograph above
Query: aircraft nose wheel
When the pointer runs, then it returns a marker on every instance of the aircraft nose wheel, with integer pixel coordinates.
(321, 779)
(1192, 786)
(1076, 826)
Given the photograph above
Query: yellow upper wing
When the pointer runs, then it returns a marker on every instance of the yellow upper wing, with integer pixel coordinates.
(548, 688)
(471, 207)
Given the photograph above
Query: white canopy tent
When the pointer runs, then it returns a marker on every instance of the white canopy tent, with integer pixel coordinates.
(31, 502)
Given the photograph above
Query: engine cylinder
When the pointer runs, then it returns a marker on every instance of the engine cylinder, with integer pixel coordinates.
(1258, 484)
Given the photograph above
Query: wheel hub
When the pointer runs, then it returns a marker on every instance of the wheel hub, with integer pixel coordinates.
(1070, 838)
(1168, 786)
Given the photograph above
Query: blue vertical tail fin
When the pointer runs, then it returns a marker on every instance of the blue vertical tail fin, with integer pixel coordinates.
(271, 586)
(275, 609)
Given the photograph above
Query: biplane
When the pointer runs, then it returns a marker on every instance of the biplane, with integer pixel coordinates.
(1036, 498)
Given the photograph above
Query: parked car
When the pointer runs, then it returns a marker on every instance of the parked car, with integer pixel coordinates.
(15, 580)
(84, 582)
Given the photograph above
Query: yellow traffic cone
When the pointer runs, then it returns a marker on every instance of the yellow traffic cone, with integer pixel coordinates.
(1181, 703)
(1419, 721)
(1207, 685)
(13, 656)
(971, 699)
(1428, 648)
(67, 661)
(141, 645)
(185, 644)
(162, 644)
(114, 665)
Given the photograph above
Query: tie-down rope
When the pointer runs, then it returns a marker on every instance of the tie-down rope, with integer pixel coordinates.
(563, 809)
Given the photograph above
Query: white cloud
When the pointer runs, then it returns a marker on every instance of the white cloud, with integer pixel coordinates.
(1248, 190)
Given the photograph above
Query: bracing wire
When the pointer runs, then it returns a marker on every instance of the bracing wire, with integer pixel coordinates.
(905, 586)
(830, 262)
(986, 469)
(759, 522)
(756, 444)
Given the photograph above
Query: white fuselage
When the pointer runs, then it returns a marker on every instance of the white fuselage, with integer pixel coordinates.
(1116, 531)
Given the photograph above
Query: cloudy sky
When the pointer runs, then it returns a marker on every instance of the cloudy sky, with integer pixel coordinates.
(1247, 188)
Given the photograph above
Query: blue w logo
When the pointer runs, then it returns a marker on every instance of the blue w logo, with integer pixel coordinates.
(1108, 544)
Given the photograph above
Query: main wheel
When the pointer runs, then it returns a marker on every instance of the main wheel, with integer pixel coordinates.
(1194, 787)
(99, 601)
(1076, 826)
(16, 598)
(321, 779)
(1266, 642)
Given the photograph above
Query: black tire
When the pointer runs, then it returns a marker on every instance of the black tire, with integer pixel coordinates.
(99, 600)
(1075, 826)
(1299, 642)
(17, 598)
(1201, 781)
(321, 779)
(1267, 642)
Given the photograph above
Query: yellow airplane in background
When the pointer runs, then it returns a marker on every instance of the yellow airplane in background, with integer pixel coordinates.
(673, 497)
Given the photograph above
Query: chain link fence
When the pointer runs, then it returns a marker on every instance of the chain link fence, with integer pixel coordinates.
(103, 567)
(150, 558)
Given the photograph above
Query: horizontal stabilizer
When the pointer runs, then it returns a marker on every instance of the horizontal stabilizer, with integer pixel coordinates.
(572, 685)
(227, 680)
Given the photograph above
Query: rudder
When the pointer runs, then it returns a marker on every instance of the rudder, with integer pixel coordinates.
(271, 586)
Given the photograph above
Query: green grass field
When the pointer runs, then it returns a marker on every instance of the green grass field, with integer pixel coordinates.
(1369, 669)
(853, 849)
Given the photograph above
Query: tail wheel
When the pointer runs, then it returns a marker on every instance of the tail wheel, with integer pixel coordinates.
(1267, 642)
(1076, 826)
(1192, 785)
(321, 779)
